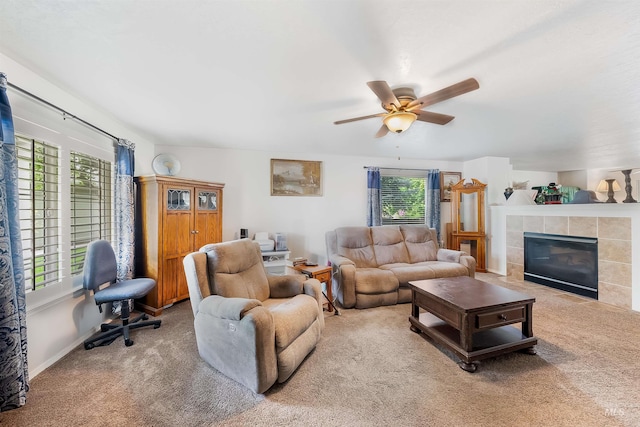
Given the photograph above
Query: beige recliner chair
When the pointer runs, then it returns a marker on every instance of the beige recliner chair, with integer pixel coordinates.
(253, 327)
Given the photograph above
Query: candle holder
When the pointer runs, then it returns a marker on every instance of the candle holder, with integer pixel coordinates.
(627, 186)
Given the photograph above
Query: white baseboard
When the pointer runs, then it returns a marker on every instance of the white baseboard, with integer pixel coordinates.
(33, 372)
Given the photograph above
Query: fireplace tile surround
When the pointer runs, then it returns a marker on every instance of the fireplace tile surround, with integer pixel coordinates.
(614, 249)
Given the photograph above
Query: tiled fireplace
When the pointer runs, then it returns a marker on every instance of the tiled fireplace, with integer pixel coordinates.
(614, 248)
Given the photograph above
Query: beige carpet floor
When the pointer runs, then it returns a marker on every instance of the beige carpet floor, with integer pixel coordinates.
(368, 369)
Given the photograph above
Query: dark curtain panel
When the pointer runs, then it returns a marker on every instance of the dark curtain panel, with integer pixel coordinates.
(14, 375)
(374, 198)
(432, 200)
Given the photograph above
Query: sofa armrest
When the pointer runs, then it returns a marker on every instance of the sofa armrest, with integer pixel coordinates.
(227, 308)
(461, 257)
(195, 269)
(469, 262)
(344, 280)
(339, 260)
(449, 255)
(237, 337)
(313, 287)
(286, 286)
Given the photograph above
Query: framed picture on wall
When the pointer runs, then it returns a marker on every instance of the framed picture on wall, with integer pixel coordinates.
(296, 178)
(447, 179)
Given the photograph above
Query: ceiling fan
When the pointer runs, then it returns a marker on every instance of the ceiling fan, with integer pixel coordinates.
(402, 107)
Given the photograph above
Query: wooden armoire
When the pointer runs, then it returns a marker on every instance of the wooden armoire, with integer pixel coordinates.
(174, 216)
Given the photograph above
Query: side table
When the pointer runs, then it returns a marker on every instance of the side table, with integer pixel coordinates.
(323, 274)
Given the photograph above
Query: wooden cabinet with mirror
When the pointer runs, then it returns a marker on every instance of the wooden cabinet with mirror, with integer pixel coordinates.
(174, 217)
(467, 217)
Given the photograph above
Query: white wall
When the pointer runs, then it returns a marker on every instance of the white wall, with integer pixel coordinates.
(574, 179)
(62, 315)
(493, 171)
(248, 203)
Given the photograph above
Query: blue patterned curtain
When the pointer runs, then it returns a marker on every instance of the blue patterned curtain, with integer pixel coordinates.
(14, 375)
(124, 209)
(432, 200)
(374, 198)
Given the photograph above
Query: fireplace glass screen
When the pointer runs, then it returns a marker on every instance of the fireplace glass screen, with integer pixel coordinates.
(569, 263)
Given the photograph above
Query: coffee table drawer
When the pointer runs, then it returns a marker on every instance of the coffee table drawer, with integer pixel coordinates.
(506, 316)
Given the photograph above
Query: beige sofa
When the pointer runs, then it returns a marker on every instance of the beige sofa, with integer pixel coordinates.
(372, 266)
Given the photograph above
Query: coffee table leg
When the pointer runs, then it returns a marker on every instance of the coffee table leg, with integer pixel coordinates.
(527, 325)
(527, 328)
(469, 367)
(415, 314)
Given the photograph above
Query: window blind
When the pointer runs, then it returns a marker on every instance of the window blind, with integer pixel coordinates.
(39, 197)
(91, 200)
(403, 197)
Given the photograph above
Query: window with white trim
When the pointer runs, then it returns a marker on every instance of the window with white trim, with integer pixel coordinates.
(91, 204)
(49, 256)
(403, 196)
(39, 196)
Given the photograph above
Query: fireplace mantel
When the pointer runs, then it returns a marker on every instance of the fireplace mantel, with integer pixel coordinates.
(617, 225)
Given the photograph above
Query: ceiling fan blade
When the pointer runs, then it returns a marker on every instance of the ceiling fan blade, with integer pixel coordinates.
(382, 131)
(444, 94)
(339, 122)
(384, 92)
(431, 117)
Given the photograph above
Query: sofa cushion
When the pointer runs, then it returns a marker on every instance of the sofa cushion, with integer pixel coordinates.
(375, 281)
(355, 243)
(406, 273)
(449, 255)
(388, 245)
(421, 243)
(409, 272)
(447, 269)
(394, 265)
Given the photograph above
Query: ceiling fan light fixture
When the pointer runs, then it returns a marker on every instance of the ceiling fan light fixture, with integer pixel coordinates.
(399, 121)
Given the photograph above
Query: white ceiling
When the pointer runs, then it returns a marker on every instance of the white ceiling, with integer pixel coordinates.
(559, 80)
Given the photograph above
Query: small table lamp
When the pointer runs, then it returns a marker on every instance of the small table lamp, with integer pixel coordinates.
(608, 186)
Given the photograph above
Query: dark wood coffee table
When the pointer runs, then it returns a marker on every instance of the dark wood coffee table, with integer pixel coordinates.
(472, 318)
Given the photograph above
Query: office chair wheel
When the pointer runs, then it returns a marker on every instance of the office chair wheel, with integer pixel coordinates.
(128, 343)
(156, 326)
(89, 346)
(104, 327)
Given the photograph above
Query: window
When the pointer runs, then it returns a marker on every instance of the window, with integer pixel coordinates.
(39, 194)
(91, 198)
(39, 177)
(403, 197)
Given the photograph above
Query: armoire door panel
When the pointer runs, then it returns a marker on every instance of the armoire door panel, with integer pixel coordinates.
(207, 228)
(177, 233)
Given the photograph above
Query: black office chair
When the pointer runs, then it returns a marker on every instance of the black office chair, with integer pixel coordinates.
(99, 268)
